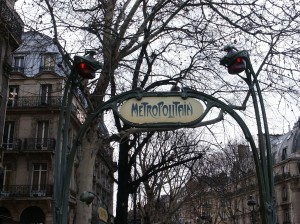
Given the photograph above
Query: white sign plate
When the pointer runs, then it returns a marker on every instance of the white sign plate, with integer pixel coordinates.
(161, 109)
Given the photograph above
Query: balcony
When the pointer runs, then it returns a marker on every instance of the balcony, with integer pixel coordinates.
(34, 102)
(18, 69)
(30, 144)
(39, 144)
(47, 68)
(11, 20)
(281, 177)
(22, 191)
(12, 144)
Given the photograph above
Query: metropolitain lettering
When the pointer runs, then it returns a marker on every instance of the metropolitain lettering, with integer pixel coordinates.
(160, 109)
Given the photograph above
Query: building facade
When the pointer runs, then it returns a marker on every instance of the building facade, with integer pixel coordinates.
(11, 27)
(233, 198)
(35, 92)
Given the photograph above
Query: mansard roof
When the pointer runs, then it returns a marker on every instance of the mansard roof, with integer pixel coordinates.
(33, 41)
(287, 145)
(34, 48)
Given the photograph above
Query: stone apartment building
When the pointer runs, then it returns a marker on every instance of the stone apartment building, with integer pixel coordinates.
(11, 27)
(34, 97)
(234, 199)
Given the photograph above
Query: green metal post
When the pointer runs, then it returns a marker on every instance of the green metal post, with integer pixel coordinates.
(268, 166)
(264, 191)
(57, 209)
(63, 165)
(65, 185)
(60, 185)
(266, 187)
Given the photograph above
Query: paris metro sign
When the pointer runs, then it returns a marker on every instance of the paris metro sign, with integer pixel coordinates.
(161, 110)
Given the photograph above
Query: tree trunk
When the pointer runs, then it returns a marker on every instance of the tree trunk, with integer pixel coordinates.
(84, 176)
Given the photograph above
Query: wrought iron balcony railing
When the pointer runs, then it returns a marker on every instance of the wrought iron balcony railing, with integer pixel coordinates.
(35, 144)
(47, 68)
(30, 144)
(11, 20)
(12, 144)
(13, 191)
(18, 69)
(34, 101)
(281, 177)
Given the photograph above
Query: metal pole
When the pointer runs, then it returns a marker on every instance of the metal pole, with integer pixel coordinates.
(57, 210)
(65, 185)
(61, 185)
(265, 178)
(264, 190)
(265, 151)
(134, 195)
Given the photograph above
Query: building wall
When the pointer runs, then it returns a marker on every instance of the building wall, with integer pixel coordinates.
(34, 102)
(4, 51)
(11, 28)
(28, 155)
(34, 99)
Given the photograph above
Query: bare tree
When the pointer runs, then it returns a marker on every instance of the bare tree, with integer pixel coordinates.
(216, 179)
(152, 44)
(169, 157)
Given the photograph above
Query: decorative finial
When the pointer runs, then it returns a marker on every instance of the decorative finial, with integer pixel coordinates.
(230, 48)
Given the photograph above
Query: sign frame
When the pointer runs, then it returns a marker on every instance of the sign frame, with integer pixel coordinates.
(157, 111)
(138, 94)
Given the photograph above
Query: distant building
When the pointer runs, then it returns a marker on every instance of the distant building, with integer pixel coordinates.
(234, 198)
(35, 92)
(286, 159)
(103, 183)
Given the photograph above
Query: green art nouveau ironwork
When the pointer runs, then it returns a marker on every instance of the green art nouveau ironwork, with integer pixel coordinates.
(178, 104)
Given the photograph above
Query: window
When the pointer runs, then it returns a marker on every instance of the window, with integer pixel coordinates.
(46, 93)
(296, 142)
(283, 170)
(236, 219)
(39, 177)
(286, 216)
(283, 155)
(18, 63)
(13, 94)
(7, 177)
(223, 215)
(274, 157)
(8, 136)
(42, 133)
(48, 62)
(284, 193)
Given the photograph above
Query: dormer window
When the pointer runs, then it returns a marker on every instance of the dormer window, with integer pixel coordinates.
(18, 65)
(48, 62)
(283, 155)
